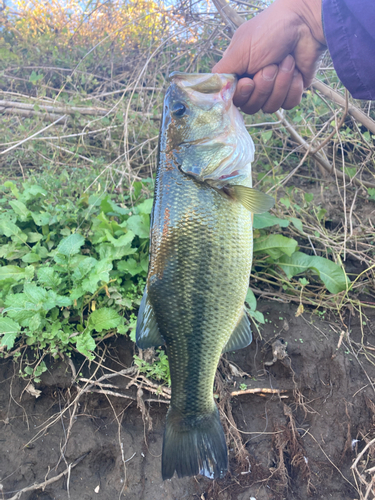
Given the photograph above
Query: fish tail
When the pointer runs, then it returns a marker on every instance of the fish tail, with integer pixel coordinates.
(194, 444)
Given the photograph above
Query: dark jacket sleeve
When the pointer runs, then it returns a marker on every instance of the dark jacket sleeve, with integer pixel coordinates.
(349, 27)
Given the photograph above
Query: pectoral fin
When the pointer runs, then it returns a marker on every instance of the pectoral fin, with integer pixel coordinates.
(255, 201)
(147, 332)
(241, 336)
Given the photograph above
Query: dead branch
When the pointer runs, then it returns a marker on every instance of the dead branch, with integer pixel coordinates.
(53, 112)
(337, 98)
(41, 486)
(27, 113)
(259, 390)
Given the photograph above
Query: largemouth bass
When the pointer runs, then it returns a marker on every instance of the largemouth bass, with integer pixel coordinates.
(200, 261)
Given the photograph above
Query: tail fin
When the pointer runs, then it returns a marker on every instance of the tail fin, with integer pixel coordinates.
(194, 445)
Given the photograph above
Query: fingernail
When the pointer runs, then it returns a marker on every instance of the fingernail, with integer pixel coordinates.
(269, 72)
(246, 89)
(287, 64)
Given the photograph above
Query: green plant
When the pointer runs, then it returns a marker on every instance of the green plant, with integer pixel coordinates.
(72, 268)
(282, 253)
(158, 369)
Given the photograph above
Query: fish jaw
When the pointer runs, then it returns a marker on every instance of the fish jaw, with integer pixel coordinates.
(209, 141)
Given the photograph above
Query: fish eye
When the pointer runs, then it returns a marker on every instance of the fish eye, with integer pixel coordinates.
(178, 109)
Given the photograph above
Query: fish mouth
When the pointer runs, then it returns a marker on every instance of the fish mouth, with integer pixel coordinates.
(223, 84)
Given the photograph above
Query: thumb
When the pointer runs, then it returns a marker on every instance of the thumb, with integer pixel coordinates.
(234, 59)
(224, 65)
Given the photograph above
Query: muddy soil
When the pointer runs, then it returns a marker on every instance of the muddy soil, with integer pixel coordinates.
(299, 441)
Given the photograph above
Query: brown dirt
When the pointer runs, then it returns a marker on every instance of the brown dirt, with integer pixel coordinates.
(295, 446)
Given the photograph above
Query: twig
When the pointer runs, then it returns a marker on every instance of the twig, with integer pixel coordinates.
(327, 457)
(228, 14)
(66, 110)
(340, 124)
(111, 393)
(360, 455)
(337, 98)
(258, 390)
(28, 112)
(39, 486)
(31, 136)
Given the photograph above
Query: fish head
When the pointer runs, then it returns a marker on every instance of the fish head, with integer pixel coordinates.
(203, 131)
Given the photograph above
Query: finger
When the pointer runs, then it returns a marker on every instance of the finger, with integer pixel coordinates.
(294, 95)
(281, 86)
(264, 81)
(244, 89)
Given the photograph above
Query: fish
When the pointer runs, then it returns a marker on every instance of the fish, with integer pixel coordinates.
(200, 261)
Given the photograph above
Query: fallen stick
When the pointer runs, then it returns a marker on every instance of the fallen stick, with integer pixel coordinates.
(41, 486)
(259, 390)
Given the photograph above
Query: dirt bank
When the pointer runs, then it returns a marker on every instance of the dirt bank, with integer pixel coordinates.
(300, 435)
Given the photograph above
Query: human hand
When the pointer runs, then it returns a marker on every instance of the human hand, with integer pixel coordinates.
(276, 55)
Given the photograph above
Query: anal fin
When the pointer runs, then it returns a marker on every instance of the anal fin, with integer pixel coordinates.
(241, 336)
(147, 331)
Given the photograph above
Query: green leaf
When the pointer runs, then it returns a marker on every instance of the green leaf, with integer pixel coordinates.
(140, 225)
(308, 197)
(303, 281)
(100, 273)
(41, 219)
(77, 293)
(130, 266)
(275, 245)
(266, 136)
(85, 344)
(34, 237)
(35, 322)
(258, 316)
(124, 240)
(145, 207)
(9, 329)
(351, 171)
(21, 210)
(110, 252)
(297, 223)
(35, 294)
(251, 300)
(48, 277)
(70, 246)
(34, 78)
(108, 206)
(84, 267)
(31, 257)
(8, 228)
(285, 201)
(13, 272)
(332, 275)
(53, 299)
(267, 220)
(104, 319)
